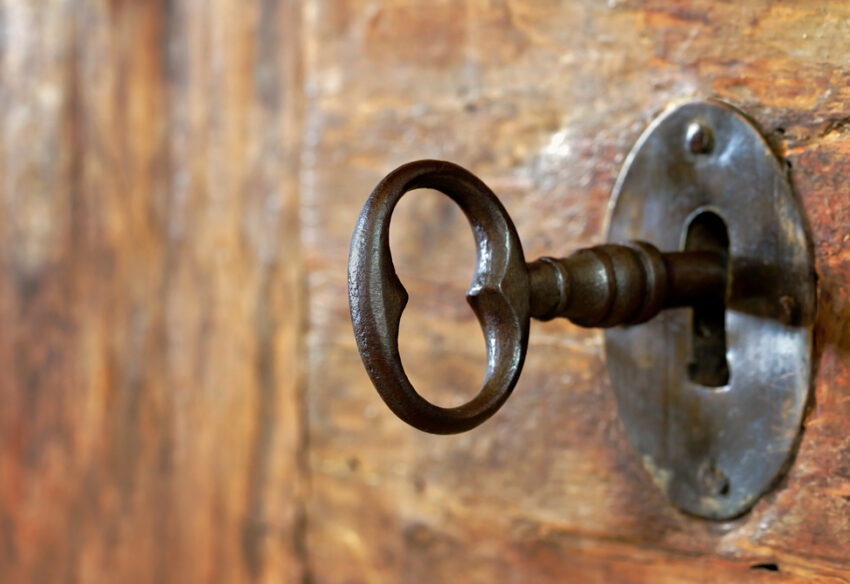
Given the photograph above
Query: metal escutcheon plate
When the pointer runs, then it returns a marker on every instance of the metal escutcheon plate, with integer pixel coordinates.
(715, 450)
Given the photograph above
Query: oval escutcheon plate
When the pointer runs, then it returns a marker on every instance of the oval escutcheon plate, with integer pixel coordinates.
(714, 450)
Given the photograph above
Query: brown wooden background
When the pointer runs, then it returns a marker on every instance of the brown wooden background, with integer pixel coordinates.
(181, 397)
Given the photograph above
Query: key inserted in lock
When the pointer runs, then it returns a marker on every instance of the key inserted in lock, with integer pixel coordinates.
(710, 379)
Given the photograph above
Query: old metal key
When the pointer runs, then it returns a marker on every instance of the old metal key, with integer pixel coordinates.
(712, 395)
(601, 286)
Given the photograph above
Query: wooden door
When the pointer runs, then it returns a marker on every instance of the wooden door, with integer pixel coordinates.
(182, 398)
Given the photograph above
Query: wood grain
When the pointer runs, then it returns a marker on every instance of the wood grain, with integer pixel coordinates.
(543, 100)
(150, 427)
(182, 397)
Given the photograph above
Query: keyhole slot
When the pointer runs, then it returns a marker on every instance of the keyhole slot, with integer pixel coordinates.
(708, 365)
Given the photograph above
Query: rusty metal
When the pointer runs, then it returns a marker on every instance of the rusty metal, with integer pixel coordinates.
(602, 286)
(715, 446)
(665, 371)
(499, 295)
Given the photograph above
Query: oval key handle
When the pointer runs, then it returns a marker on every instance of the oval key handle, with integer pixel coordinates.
(499, 295)
(602, 286)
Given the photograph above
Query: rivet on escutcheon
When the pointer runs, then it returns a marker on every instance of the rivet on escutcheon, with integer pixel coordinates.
(699, 138)
(712, 480)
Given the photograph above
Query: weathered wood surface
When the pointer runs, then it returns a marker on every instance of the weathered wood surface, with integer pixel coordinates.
(182, 400)
(149, 427)
(543, 100)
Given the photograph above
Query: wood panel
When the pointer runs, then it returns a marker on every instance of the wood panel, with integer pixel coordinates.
(150, 427)
(182, 397)
(543, 100)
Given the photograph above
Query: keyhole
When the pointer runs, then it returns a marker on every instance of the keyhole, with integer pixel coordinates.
(708, 366)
